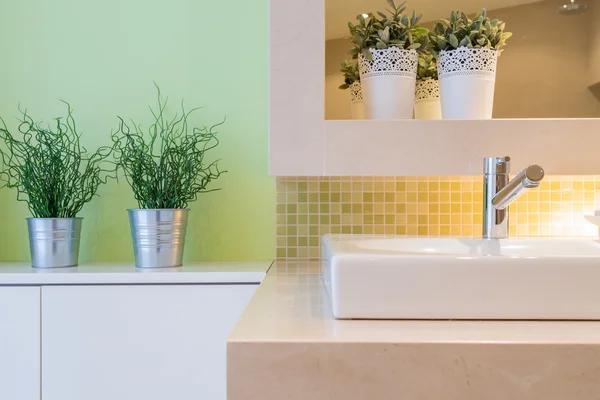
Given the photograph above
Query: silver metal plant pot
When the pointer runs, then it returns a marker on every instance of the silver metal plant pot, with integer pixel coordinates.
(54, 242)
(158, 236)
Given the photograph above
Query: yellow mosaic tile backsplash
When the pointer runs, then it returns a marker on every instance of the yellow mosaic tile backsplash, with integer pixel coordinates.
(309, 207)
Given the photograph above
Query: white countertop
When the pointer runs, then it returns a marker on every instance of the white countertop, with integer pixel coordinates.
(126, 273)
(291, 306)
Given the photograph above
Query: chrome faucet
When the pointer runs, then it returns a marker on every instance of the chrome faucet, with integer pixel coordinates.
(499, 193)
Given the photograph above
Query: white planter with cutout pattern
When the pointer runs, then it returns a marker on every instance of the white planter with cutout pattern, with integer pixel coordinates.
(467, 79)
(388, 83)
(356, 101)
(427, 99)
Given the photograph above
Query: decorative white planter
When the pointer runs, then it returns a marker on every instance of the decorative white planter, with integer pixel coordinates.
(388, 83)
(356, 101)
(467, 78)
(427, 100)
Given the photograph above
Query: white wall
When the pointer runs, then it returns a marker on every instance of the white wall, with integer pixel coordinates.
(594, 48)
(337, 101)
(544, 71)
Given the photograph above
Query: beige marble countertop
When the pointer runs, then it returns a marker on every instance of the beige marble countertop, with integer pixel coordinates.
(291, 306)
(288, 346)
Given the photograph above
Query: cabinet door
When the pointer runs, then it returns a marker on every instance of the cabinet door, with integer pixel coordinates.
(138, 342)
(20, 343)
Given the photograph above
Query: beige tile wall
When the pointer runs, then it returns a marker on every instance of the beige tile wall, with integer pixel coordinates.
(309, 207)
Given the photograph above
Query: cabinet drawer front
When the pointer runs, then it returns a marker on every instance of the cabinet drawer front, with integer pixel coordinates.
(138, 342)
(20, 343)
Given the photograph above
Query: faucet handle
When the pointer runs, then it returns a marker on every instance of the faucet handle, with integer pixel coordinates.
(496, 165)
(533, 175)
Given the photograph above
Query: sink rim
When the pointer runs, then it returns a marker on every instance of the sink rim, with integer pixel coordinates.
(540, 247)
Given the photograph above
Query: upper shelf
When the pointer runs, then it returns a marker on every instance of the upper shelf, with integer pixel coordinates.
(397, 148)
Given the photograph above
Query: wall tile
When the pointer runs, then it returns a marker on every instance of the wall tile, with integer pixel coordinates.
(309, 207)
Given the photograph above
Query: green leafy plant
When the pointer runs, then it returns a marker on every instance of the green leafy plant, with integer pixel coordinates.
(165, 167)
(383, 30)
(49, 167)
(351, 73)
(427, 68)
(461, 31)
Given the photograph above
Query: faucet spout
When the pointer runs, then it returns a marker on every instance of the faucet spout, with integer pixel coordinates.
(500, 192)
(529, 178)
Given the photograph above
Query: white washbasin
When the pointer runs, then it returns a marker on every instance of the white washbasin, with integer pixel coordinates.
(456, 278)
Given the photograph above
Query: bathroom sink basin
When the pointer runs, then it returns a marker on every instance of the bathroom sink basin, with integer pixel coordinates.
(376, 277)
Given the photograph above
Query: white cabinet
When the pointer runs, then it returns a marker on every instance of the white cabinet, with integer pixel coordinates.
(151, 342)
(20, 343)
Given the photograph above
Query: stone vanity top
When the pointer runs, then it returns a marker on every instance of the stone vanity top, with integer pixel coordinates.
(286, 345)
(292, 305)
(126, 273)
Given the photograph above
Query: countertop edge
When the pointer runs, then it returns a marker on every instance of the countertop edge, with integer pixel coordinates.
(249, 273)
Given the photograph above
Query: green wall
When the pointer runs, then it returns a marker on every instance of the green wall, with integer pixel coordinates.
(102, 57)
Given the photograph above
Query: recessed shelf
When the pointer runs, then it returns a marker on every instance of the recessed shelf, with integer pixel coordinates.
(303, 143)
